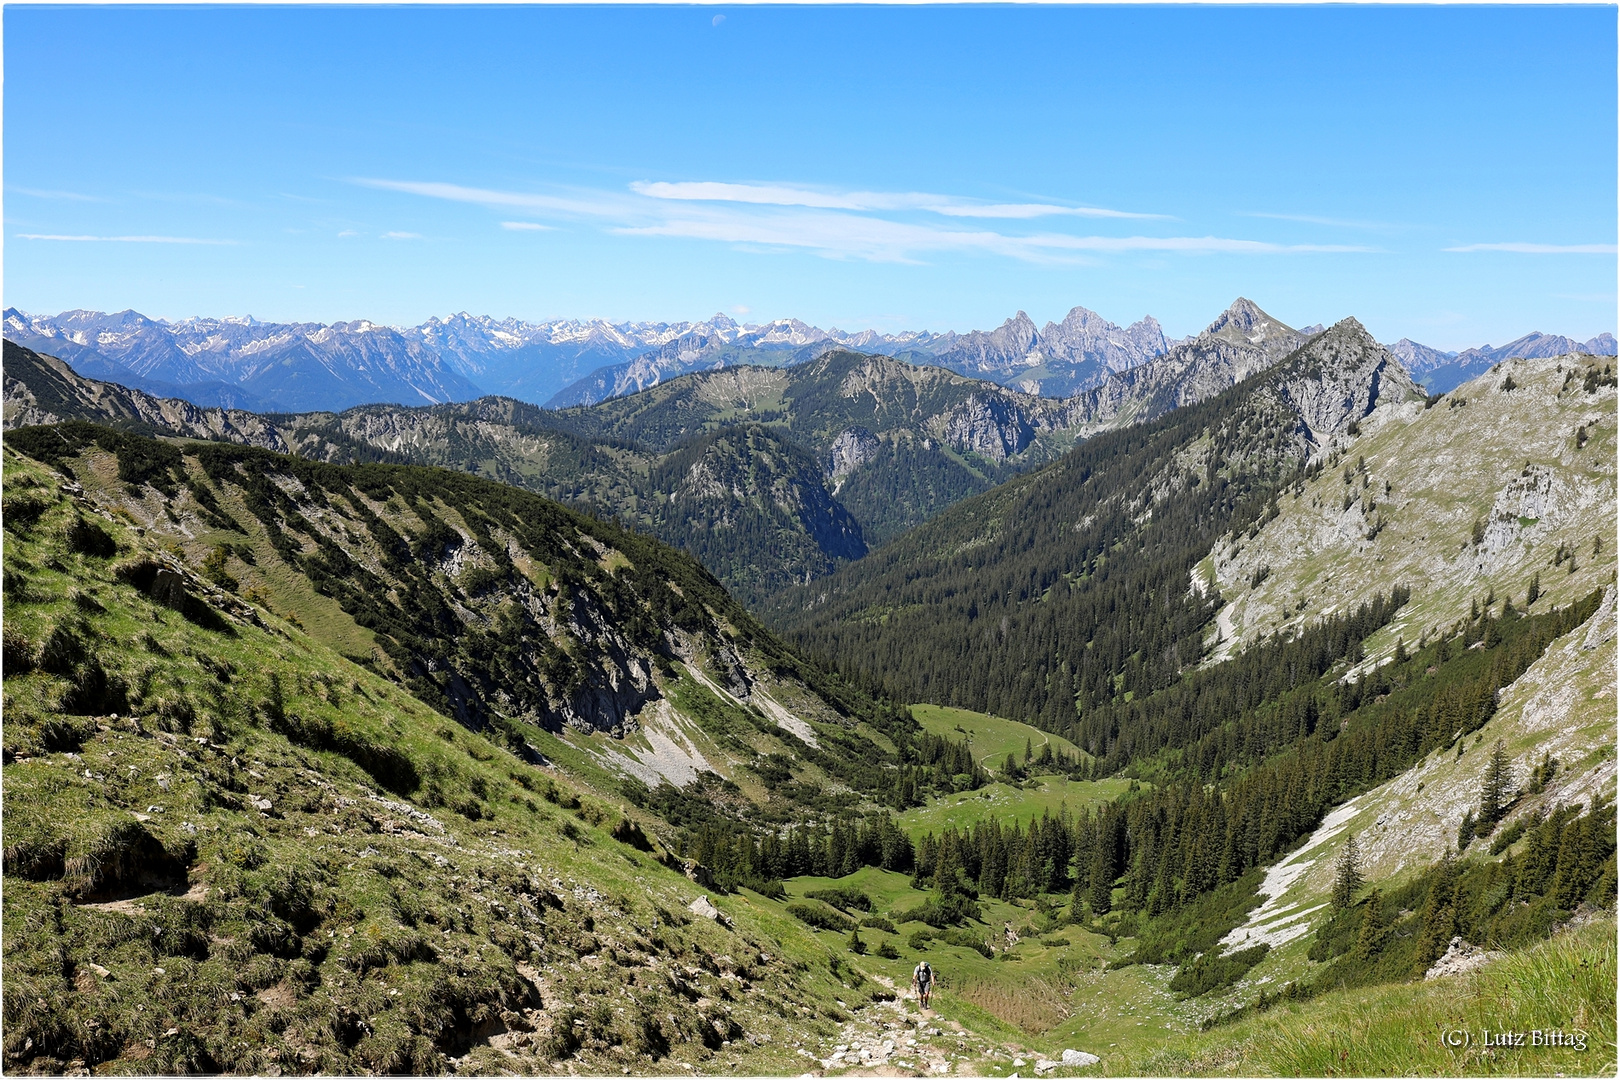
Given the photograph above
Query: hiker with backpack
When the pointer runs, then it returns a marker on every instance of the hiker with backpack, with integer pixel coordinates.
(922, 981)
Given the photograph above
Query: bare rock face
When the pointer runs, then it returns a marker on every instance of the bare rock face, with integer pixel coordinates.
(991, 426)
(1059, 359)
(850, 450)
(1008, 345)
(1340, 378)
(1460, 957)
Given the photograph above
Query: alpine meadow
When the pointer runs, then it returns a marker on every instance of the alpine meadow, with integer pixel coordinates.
(1208, 693)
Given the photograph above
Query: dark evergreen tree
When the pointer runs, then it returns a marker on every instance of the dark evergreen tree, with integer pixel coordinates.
(1347, 880)
(1496, 789)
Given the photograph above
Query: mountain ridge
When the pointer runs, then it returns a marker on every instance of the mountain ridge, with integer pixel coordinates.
(995, 575)
(243, 362)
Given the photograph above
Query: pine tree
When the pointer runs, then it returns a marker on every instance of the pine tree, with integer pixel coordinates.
(1439, 915)
(1497, 789)
(1371, 936)
(1467, 831)
(1102, 882)
(1347, 880)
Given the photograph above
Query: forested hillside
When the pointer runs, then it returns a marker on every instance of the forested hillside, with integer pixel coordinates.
(1072, 584)
(900, 442)
(752, 505)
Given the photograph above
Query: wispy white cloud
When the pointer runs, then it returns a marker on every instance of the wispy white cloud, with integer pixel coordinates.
(603, 205)
(870, 226)
(527, 226)
(71, 196)
(1312, 219)
(793, 195)
(1542, 249)
(881, 240)
(396, 235)
(120, 239)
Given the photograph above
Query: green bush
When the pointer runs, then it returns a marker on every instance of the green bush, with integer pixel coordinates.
(962, 939)
(821, 917)
(1214, 970)
(88, 538)
(840, 897)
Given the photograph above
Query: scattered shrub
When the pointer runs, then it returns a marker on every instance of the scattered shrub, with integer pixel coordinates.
(20, 512)
(820, 917)
(18, 655)
(1214, 970)
(841, 897)
(629, 832)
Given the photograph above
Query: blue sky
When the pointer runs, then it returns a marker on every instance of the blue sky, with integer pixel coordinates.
(1445, 173)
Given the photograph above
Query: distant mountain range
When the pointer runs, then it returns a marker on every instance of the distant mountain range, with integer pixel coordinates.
(1441, 372)
(243, 363)
(769, 475)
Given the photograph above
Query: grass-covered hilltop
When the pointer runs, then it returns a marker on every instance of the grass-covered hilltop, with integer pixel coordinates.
(1269, 733)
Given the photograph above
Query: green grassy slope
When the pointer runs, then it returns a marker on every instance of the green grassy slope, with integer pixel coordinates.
(1563, 985)
(1009, 803)
(991, 737)
(229, 847)
(1531, 468)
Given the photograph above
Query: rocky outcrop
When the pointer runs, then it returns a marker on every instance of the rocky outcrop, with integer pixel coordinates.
(852, 448)
(1338, 379)
(1460, 957)
(991, 426)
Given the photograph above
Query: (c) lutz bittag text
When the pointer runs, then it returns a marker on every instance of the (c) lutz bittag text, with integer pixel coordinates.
(1534, 1038)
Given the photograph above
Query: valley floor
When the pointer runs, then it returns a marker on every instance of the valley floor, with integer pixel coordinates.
(1054, 992)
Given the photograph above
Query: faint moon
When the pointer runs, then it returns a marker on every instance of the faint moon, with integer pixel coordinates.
(718, 19)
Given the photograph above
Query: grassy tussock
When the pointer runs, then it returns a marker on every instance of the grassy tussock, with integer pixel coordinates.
(1032, 1005)
(1565, 983)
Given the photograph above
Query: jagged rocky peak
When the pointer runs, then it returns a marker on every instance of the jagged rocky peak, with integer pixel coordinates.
(1084, 334)
(1015, 337)
(1244, 323)
(1339, 378)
